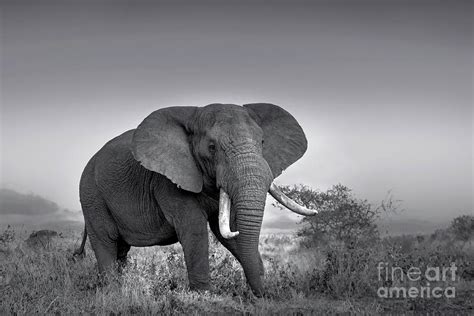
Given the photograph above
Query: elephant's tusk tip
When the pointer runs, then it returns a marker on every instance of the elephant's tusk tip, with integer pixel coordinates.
(276, 192)
(230, 235)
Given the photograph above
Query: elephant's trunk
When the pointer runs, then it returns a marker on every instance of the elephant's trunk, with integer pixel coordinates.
(247, 185)
(225, 206)
(249, 216)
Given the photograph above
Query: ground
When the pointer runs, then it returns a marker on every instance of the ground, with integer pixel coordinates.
(49, 280)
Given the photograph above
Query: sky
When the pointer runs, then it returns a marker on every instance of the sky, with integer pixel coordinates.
(383, 90)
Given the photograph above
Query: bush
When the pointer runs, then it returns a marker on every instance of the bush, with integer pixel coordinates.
(341, 217)
(463, 227)
(345, 228)
(350, 272)
(7, 237)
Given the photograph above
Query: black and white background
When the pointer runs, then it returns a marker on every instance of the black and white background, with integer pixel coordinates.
(382, 89)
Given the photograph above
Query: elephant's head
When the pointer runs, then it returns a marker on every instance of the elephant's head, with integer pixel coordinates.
(229, 151)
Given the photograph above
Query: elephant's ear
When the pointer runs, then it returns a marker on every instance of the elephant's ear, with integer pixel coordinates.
(161, 144)
(284, 139)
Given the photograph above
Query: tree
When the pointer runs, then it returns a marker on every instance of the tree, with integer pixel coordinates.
(342, 217)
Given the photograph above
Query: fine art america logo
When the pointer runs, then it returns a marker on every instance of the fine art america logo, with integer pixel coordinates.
(414, 282)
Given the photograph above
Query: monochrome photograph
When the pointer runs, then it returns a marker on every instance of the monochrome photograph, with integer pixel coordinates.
(236, 157)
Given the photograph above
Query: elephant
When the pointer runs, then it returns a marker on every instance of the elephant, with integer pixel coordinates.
(183, 168)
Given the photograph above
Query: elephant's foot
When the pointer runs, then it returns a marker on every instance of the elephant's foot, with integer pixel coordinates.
(110, 276)
(200, 287)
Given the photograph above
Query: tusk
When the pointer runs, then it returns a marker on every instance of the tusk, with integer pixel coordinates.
(289, 203)
(224, 216)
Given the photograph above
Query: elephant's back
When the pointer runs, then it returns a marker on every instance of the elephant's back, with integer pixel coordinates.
(114, 150)
(110, 164)
(121, 142)
(114, 162)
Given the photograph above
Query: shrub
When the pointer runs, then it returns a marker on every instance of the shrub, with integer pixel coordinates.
(345, 228)
(350, 271)
(8, 236)
(342, 217)
(463, 227)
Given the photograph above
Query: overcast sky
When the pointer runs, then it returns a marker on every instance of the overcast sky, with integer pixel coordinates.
(383, 92)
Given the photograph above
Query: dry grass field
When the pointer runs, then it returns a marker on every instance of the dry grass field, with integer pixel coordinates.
(45, 278)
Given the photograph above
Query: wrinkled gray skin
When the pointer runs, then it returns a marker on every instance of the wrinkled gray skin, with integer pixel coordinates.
(159, 184)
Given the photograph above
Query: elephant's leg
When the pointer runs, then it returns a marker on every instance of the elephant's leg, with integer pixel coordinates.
(230, 243)
(193, 236)
(106, 254)
(122, 251)
(102, 231)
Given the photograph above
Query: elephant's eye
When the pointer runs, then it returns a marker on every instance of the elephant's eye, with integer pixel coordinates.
(212, 148)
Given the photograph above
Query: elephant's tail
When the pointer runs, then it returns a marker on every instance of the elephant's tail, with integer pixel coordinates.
(80, 252)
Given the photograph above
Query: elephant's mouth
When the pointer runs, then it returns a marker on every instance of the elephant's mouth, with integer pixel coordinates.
(225, 205)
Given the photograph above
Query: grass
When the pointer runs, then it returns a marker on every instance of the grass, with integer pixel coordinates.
(298, 280)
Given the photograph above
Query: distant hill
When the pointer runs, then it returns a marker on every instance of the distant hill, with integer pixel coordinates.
(398, 224)
(37, 212)
(410, 226)
(12, 202)
(32, 210)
